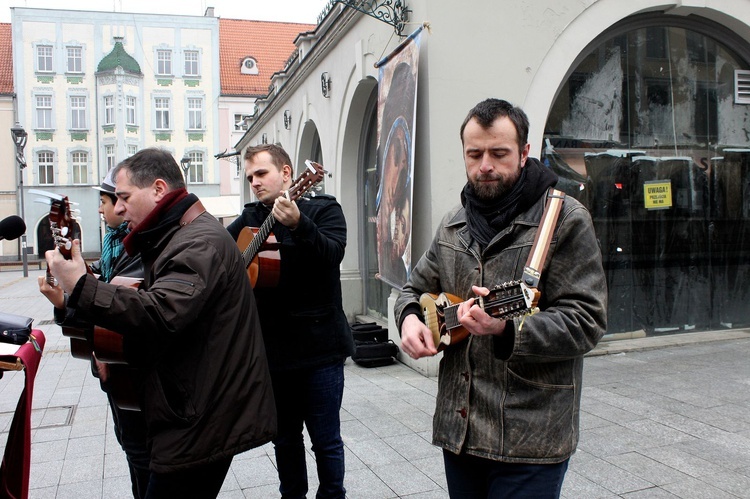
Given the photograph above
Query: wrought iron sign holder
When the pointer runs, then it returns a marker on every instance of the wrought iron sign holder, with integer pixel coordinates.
(393, 12)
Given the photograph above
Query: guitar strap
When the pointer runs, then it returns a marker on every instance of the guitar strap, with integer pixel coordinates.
(192, 213)
(532, 271)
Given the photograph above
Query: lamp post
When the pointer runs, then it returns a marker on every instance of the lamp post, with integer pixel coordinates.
(19, 139)
(185, 164)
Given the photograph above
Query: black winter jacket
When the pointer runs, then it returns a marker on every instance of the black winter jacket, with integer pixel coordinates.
(302, 319)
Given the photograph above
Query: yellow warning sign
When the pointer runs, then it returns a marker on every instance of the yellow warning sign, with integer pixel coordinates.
(657, 194)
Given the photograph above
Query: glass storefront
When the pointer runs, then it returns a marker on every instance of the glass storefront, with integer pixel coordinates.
(651, 133)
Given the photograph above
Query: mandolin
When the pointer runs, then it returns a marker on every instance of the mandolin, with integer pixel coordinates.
(505, 301)
(258, 245)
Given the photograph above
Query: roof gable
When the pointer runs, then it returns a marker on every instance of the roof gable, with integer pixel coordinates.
(269, 43)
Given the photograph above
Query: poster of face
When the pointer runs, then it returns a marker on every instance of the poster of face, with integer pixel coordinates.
(397, 97)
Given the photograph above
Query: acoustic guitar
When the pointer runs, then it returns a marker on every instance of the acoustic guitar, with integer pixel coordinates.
(104, 344)
(505, 301)
(260, 249)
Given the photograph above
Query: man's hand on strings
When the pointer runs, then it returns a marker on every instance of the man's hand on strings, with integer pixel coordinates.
(67, 272)
(475, 319)
(286, 212)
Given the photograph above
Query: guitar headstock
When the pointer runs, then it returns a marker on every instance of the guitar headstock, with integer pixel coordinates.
(62, 223)
(312, 175)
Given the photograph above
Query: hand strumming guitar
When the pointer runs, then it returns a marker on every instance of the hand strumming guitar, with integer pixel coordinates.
(416, 338)
(67, 272)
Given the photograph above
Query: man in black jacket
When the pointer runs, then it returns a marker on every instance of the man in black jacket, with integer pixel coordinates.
(193, 327)
(305, 330)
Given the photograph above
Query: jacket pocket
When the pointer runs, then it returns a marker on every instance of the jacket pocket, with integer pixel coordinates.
(539, 419)
(169, 402)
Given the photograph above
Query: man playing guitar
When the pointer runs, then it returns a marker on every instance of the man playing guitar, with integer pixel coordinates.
(305, 331)
(130, 426)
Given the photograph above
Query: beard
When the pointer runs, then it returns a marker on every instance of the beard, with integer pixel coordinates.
(491, 186)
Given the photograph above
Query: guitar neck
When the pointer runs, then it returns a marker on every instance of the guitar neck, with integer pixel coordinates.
(254, 247)
(500, 304)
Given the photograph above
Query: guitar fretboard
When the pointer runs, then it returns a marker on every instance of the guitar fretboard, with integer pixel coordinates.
(254, 247)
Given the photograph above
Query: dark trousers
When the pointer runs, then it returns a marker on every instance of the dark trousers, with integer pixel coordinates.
(202, 482)
(311, 397)
(471, 477)
(130, 430)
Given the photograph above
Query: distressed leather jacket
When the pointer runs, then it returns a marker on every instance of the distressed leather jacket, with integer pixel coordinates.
(516, 397)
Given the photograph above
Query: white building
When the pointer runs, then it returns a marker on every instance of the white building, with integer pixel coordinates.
(618, 94)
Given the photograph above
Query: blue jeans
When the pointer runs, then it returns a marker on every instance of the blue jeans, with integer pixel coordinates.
(311, 397)
(471, 477)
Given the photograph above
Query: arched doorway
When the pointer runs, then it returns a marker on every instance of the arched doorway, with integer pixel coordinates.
(649, 132)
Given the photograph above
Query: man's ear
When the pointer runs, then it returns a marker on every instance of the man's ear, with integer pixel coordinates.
(160, 189)
(286, 172)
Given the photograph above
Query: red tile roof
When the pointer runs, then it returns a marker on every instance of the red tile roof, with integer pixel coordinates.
(6, 59)
(269, 43)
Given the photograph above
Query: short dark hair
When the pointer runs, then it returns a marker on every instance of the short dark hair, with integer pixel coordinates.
(487, 111)
(110, 196)
(149, 164)
(279, 156)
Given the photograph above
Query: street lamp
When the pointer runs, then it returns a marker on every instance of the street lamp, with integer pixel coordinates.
(19, 139)
(185, 164)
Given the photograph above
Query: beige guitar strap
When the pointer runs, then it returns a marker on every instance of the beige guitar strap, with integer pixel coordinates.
(532, 272)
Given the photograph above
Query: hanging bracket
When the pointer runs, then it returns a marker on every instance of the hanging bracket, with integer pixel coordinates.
(393, 12)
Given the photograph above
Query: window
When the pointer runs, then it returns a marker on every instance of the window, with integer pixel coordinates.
(130, 116)
(79, 167)
(44, 58)
(78, 112)
(240, 122)
(161, 108)
(46, 168)
(132, 149)
(195, 174)
(109, 155)
(647, 134)
(191, 63)
(44, 112)
(164, 62)
(75, 60)
(109, 110)
(195, 113)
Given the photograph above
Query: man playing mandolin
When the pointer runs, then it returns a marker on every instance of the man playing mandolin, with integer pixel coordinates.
(509, 395)
(306, 333)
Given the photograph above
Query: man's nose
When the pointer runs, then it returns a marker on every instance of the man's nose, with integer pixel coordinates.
(487, 164)
(119, 208)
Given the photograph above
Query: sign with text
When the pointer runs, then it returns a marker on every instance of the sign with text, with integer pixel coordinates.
(657, 194)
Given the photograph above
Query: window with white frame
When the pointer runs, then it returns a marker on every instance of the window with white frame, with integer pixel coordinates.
(109, 155)
(164, 62)
(46, 167)
(161, 110)
(132, 149)
(43, 112)
(191, 63)
(195, 174)
(195, 113)
(130, 116)
(44, 58)
(109, 110)
(240, 122)
(78, 112)
(75, 60)
(79, 167)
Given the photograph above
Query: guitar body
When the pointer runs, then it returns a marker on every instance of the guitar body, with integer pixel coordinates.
(108, 347)
(265, 268)
(505, 301)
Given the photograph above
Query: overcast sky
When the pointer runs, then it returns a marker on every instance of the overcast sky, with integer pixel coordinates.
(297, 11)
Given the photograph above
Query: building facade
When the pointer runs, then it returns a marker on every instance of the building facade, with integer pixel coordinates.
(640, 107)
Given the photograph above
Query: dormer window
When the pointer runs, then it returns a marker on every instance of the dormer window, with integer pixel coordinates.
(249, 66)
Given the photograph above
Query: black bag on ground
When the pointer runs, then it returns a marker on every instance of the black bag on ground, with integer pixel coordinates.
(15, 328)
(369, 331)
(374, 353)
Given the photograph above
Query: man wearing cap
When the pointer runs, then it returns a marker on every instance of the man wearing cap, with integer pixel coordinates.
(130, 426)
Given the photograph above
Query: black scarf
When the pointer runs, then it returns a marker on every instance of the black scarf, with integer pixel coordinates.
(486, 218)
